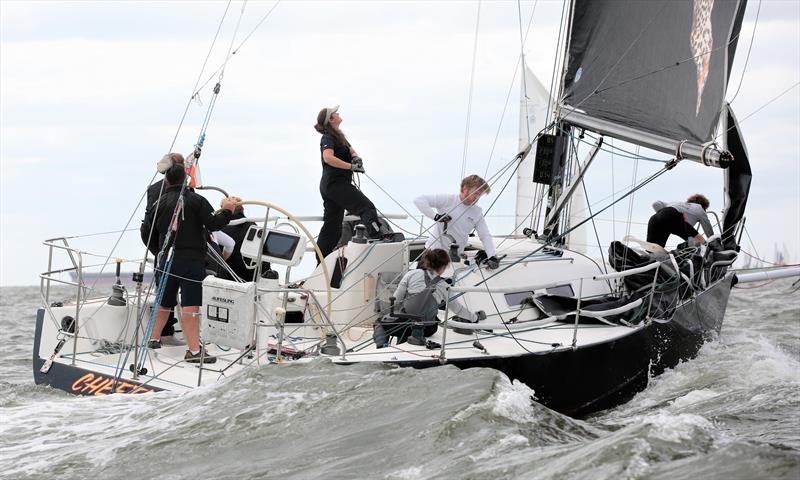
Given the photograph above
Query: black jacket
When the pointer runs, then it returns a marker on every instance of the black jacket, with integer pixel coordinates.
(194, 222)
(144, 229)
(235, 261)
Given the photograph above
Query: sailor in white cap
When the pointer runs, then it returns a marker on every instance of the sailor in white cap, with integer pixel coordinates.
(339, 161)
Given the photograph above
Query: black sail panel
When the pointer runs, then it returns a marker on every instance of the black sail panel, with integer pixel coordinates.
(738, 178)
(658, 66)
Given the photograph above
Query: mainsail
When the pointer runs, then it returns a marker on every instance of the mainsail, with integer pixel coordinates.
(654, 72)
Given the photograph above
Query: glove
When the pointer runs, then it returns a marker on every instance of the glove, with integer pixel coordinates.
(480, 256)
(357, 165)
(492, 263)
(481, 315)
(442, 218)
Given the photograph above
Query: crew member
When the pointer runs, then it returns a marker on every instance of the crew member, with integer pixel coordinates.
(187, 269)
(679, 219)
(150, 238)
(339, 161)
(420, 292)
(433, 263)
(456, 216)
(238, 232)
(154, 192)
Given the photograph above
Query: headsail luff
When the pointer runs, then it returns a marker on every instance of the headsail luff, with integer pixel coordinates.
(534, 100)
(654, 73)
(737, 179)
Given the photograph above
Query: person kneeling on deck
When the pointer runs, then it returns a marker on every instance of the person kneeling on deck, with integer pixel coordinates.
(186, 270)
(679, 219)
(420, 292)
(456, 216)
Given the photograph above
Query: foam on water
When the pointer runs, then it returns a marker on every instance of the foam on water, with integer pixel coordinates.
(730, 413)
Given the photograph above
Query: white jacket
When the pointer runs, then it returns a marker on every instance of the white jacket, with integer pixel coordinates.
(465, 218)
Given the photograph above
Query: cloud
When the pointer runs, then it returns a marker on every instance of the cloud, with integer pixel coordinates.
(91, 95)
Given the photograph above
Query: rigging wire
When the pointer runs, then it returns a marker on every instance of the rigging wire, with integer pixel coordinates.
(630, 200)
(523, 77)
(238, 47)
(764, 106)
(497, 309)
(589, 207)
(183, 117)
(613, 187)
(199, 77)
(749, 49)
(471, 88)
(490, 181)
(508, 97)
(563, 234)
(631, 155)
(167, 249)
(556, 60)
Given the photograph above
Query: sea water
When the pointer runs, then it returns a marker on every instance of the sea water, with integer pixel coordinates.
(733, 412)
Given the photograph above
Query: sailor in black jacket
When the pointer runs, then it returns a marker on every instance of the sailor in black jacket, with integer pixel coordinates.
(153, 193)
(339, 161)
(186, 271)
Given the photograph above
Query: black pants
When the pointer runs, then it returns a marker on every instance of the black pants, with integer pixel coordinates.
(665, 222)
(338, 196)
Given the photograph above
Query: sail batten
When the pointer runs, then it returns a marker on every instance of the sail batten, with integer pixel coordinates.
(653, 73)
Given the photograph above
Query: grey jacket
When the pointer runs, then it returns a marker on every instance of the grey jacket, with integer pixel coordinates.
(414, 282)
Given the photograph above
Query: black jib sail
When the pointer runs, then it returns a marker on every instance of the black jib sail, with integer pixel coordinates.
(737, 180)
(656, 67)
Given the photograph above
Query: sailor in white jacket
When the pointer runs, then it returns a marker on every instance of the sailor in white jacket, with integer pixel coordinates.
(456, 216)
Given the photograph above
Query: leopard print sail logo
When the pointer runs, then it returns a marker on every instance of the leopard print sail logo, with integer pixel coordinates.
(702, 42)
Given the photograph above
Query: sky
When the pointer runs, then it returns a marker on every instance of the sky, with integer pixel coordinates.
(92, 95)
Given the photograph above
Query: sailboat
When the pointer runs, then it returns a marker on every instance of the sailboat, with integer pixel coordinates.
(583, 338)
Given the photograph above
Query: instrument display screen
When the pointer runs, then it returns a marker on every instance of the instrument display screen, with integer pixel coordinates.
(280, 245)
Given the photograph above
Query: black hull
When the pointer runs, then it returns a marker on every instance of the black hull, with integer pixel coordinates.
(604, 375)
(76, 380)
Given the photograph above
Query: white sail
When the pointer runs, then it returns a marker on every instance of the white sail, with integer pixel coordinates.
(578, 212)
(534, 100)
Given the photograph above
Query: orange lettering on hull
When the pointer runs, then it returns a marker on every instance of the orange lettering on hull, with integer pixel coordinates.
(95, 384)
